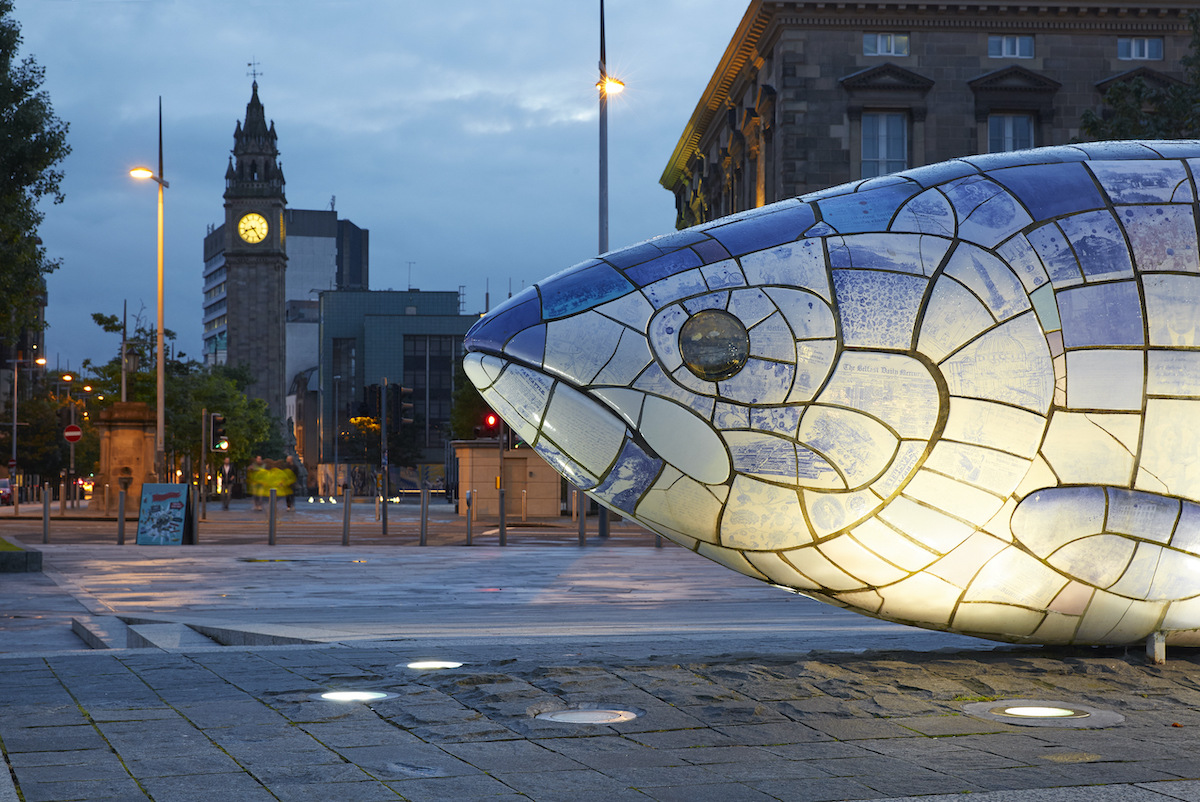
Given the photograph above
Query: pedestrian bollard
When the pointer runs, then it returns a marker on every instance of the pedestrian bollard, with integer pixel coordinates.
(503, 528)
(470, 515)
(424, 515)
(475, 505)
(121, 518)
(657, 541)
(580, 501)
(376, 508)
(346, 501)
(46, 514)
(106, 498)
(62, 499)
(271, 518)
(524, 506)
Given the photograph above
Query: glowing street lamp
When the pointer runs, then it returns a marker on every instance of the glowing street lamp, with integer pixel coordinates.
(160, 456)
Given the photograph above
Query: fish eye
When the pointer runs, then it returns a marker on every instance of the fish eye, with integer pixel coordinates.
(714, 344)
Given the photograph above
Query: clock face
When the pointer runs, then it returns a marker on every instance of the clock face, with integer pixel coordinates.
(253, 228)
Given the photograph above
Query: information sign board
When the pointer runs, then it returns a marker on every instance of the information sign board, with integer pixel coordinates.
(164, 518)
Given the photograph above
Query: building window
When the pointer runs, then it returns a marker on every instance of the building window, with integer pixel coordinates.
(1140, 48)
(885, 44)
(215, 324)
(1009, 132)
(884, 143)
(1010, 47)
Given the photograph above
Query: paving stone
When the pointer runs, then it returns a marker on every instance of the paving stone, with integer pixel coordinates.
(200, 787)
(337, 734)
(53, 739)
(1106, 773)
(110, 769)
(540, 783)
(82, 790)
(911, 783)
(211, 762)
(785, 732)
(952, 725)
(732, 713)
(319, 774)
(342, 792)
(683, 738)
(723, 792)
(611, 752)
(68, 758)
(757, 771)
(645, 777)
(451, 789)
(823, 750)
(703, 755)
(406, 762)
(848, 729)
(1187, 791)
(509, 756)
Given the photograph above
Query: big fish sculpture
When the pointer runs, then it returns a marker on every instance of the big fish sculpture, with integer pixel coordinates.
(963, 397)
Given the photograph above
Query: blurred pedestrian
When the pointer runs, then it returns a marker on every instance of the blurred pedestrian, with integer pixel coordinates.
(226, 482)
(289, 481)
(256, 476)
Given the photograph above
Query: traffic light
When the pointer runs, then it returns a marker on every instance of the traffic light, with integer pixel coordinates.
(218, 441)
(489, 427)
(404, 394)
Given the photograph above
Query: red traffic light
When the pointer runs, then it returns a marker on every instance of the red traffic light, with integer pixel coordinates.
(491, 420)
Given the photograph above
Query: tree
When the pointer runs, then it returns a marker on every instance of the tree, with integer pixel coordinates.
(34, 140)
(1136, 110)
(467, 406)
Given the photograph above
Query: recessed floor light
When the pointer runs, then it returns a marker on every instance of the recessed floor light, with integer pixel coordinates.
(352, 696)
(433, 665)
(1043, 713)
(597, 716)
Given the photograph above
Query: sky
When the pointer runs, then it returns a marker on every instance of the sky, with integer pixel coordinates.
(463, 135)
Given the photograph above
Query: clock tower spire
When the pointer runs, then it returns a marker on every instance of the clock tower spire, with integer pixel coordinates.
(256, 255)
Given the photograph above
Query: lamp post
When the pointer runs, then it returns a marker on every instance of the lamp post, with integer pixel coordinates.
(160, 457)
(607, 85)
(16, 363)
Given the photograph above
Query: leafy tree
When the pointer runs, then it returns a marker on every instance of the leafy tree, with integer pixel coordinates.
(467, 406)
(34, 141)
(1136, 110)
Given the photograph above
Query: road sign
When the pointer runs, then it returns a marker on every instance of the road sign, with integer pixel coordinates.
(72, 433)
(12, 464)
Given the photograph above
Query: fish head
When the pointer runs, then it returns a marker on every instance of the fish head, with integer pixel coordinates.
(668, 377)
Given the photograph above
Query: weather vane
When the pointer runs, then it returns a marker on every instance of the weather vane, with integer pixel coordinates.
(254, 73)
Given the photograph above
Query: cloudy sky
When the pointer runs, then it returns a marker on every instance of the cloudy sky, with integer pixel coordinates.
(463, 135)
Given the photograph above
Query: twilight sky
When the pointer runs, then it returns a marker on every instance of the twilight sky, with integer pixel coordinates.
(463, 135)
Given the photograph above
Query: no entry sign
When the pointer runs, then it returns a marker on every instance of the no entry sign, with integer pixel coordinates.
(72, 433)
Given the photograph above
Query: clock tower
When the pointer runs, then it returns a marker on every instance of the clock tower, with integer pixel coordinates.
(256, 256)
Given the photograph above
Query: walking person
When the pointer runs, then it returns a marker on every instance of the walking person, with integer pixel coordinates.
(255, 475)
(289, 481)
(226, 481)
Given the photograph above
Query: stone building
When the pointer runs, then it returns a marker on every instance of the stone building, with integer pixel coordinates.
(813, 94)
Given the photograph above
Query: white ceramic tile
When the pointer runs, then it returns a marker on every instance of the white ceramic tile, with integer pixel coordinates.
(579, 346)
(990, 280)
(1084, 448)
(830, 512)
(1187, 530)
(999, 525)
(1101, 616)
(892, 546)
(694, 384)
(684, 505)
(894, 388)
(1010, 364)
(1172, 309)
(479, 376)
(1105, 379)
(1171, 445)
(1024, 261)
(993, 221)
(930, 528)
(815, 565)
(1072, 599)
(1145, 516)
(985, 468)
(953, 317)
(1056, 255)
(751, 306)
(1182, 615)
(1140, 619)
(526, 390)
(773, 339)
(857, 445)
(760, 382)
(1161, 237)
(625, 402)
(731, 416)
(1013, 577)
(633, 310)
(574, 473)
(927, 213)
(902, 467)
(1135, 582)
(1100, 245)
(807, 314)
(996, 620)
(814, 360)
(878, 309)
(908, 253)
(768, 456)
(686, 441)
(763, 517)
(1048, 519)
(664, 335)
(525, 430)
(844, 552)
(722, 275)
(994, 425)
(713, 300)
(655, 382)
(1098, 560)
(584, 429)
(952, 497)
(673, 288)
(780, 571)
(1175, 577)
(920, 598)
(1173, 373)
(1139, 180)
(776, 420)
(797, 264)
(961, 565)
(631, 358)
(492, 367)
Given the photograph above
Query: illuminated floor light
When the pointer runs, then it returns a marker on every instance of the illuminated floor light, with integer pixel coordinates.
(433, 665)
(1044, 713)
(352, 696)
(597, 716)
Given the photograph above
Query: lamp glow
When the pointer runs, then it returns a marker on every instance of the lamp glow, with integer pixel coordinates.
(1042, 712)
(588, 716)
(142, 172)
(610, 86)
(431, 665)
(353, 696)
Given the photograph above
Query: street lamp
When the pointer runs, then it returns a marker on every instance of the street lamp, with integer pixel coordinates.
(12, 463)
(160, 457)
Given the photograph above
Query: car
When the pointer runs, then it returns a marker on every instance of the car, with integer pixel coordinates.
(6, 491)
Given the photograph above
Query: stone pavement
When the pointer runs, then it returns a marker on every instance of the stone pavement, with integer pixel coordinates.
(741, 692)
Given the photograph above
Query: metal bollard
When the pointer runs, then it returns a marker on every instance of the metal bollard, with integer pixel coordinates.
(503, 528)
(524, 506)
(475, 506)
(46, 514)
(657, 541)
(470, 515)
(424, 515)
(376, 507)
(62, 499)
(196, 515)
(106, 499)
(271, 525)
(580, 501)
(121, 518)
(346, 501)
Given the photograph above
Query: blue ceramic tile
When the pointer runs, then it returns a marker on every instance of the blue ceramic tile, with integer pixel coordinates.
(1140, 181)
(1011, 364)
(800, 264)
(680, 239)
(655, 382)
(1116, 150)
(821, 229)
(1172, 309)
(574, 473)
(492, 332)
(731, 416)
(993, 221)
(763, 455)
(1051, 245)
(1050, 190)
(528, 346)
(1162, 237)
(878, 309)
(808, 315)
(577, 291)
(714, 300)
(662, 267)
(989, 278)
(779, 420)
(723, 275)
(995, 161)
(672, 288)
(630, 478)
(865, 211)
(1101, 314)
(1099, 244)
(934, 174)
(927, 213)
(1020, 256)
(760, 382)
(710, 250)
(907, 253)
(633, 255)
(775, 228)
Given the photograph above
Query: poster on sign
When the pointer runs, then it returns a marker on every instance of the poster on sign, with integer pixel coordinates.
(164, 518)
